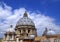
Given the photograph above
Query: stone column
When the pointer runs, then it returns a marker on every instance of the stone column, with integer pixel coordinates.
(12, 37)
(31, 31)
(26, 30)
(17, 39)
(21, 30)
(34, 31)
(7, 37)
(4, 38)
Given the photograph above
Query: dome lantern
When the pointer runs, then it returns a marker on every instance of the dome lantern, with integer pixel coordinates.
(25, 14)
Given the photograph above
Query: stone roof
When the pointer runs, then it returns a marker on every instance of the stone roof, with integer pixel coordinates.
(25, 20)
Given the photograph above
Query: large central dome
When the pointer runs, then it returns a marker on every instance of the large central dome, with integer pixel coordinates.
(25, 20)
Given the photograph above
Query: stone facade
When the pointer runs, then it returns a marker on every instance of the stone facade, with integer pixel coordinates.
(24, 30)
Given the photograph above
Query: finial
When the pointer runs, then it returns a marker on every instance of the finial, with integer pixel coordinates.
(11, 26)
(25, 14)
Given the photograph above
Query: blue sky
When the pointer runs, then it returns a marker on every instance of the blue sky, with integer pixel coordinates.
(47, 12)
(47, 7)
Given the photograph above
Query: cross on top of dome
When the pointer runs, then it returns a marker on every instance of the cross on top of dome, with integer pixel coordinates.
(25, 14)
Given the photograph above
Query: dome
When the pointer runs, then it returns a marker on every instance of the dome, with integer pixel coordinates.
(10, 29)
(51, 32)
(25, 20)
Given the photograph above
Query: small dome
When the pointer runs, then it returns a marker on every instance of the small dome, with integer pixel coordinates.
(25, 20)
(51, 32)
(11, 29)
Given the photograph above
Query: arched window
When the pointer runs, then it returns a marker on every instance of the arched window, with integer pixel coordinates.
(20, 31)
(28, 31)
(10, 37)
(24, 30)
(27, 34)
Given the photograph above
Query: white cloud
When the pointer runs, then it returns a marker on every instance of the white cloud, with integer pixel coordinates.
(8, 17)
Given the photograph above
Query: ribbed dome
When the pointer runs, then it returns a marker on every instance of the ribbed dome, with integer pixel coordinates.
(11, 29)
(25, 20)
(51, 32)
